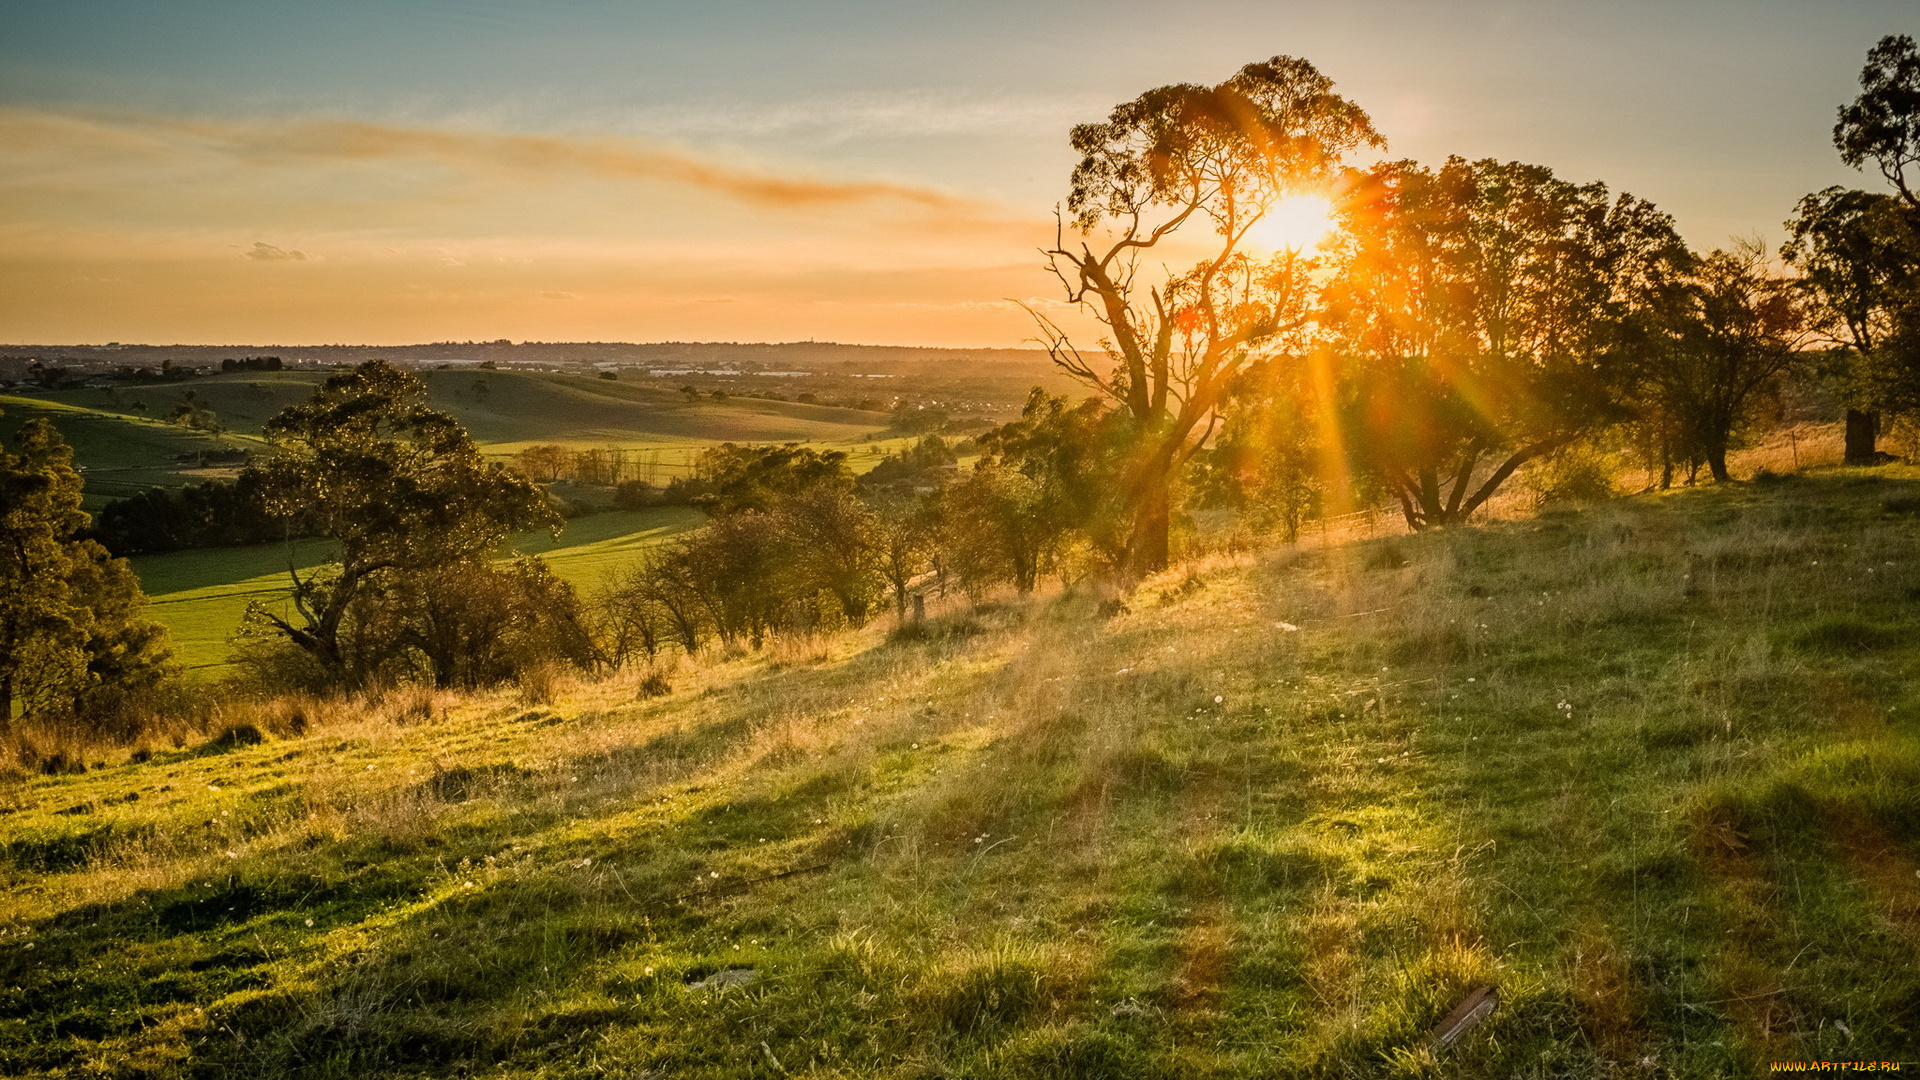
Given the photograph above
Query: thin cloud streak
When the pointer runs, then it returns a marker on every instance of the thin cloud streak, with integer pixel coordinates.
(312, 141)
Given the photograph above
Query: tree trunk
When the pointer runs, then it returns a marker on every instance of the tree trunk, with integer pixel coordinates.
(1863, 430)
(1717, 464)
(1147, 546)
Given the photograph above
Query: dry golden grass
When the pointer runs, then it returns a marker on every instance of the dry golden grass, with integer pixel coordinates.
(1272, 818)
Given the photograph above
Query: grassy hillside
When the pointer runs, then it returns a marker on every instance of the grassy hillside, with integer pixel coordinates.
(124, 448)
(201, 596)
(121, 454)
(1650, 769)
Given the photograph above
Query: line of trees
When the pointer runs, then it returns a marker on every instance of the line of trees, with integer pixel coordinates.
(1463, 321)
(797, 543)
(214, 513)
(605, 466)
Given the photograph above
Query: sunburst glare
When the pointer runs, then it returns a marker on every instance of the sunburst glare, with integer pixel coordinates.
(1295, 223)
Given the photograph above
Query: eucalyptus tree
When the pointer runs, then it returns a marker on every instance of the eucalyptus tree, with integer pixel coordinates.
(1729, 331)
(1193, 167)
(1481, 313)
(401, 490)
(1859, 251)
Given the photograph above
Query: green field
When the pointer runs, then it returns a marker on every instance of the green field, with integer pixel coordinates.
(124, 450)
(1650, 769)
(120, 455)
(200, 596)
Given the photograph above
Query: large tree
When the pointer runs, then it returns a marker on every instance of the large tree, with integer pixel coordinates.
(1722, 339)
(72, 640)
(1860, 251)
(1480, 312)
(1882, 125)
(1160, 169)
(401, 490)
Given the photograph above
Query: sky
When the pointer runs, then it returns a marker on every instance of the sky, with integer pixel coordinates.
(250, 172)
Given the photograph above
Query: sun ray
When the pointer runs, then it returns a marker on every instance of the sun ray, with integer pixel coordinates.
(1295, 223)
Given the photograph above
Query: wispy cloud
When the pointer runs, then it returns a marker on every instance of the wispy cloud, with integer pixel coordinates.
(311, 141)
(137, 226)
(269, 253)
(906, 114)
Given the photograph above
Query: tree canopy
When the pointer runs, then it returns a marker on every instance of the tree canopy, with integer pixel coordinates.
(1179, 156)
(400, 488)
(72, 639)
(1482, 310)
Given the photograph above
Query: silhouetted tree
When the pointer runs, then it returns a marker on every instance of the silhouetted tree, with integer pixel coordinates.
(1882, 125)
(1201, 156)
(1729, 333)
(1481, 308)
(1860, 252)
(1859, 257)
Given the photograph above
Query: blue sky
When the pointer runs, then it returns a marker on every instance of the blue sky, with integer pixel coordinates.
(1719, 112)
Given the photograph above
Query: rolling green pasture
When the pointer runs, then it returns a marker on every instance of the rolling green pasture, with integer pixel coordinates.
(505, 411)
(200, 596)
(1651, 769)
(121, 455)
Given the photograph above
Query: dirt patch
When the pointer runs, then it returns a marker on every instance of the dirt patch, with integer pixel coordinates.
(1890, 876)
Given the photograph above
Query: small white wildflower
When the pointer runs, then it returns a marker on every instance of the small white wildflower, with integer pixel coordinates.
(1217, 699)
(309, 922)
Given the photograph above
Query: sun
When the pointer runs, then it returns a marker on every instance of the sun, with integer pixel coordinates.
(1295, 223)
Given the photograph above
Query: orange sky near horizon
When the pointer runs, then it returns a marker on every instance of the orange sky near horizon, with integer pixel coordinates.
(136, 227)
(864, 171)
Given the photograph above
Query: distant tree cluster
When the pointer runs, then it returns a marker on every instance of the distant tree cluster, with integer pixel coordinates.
(251, 363)
(798, 544)
(192, 412)
(216, 513)
(604, 466)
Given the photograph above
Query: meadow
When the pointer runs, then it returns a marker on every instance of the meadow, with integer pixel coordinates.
(201, 596)
(1649, 768)
(124, 445)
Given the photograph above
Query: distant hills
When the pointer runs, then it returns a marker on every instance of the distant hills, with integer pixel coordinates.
(793, 355)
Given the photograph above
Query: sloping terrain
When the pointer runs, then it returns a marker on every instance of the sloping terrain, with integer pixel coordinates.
(1650, 769)
(201, 596)
(120, 454)
(120, 436)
